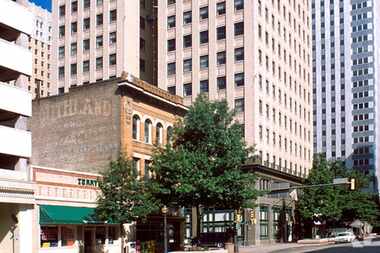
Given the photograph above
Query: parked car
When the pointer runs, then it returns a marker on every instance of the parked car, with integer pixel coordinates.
(344, 237)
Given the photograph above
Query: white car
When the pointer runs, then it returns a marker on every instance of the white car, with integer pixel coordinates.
(344, 237)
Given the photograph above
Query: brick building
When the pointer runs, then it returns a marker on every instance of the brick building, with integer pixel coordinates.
(92, 124)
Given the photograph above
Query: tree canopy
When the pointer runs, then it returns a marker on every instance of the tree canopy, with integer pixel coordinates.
(202, 167)
(123, 197)
(336, 203)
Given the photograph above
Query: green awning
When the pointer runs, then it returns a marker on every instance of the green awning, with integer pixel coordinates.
(50, 215)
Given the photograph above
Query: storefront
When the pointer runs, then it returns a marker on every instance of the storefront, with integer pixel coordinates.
(65, 211)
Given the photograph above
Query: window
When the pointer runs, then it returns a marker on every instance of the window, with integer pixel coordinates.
(221, 8)
(112, 38)
(61, 31)
(171, 2)
(221, 58)
(169, 134)
(239, 79)
(239, 5)
(203, 86)
(99, 19)
(142, 65)
(221, 82)
(113, 16)
(99, 2)
(100, 235)
(62, 10)
(264, 222)
(239, 105)
(171, 22)
(146, 170)
(239, 28)
(142, 23)
(136, 127)
(203, 37)
(239, 54)
(86, 45)
(171, 45)
(86, 24)
(159, 134)
(187, 89)
(99, 63)
(187, 41)
(221, 33)
(67, 236)
(49, 236)
(187, 65)
(99, 41)
(74, 6)
(61, 52)
(61, 72)
(203, 62)
(112, 59)
(73, 49)
(171, 68)
(86, 66)
(86, 4)
(203, 13)
(171, 90)
(142, 44)
(187, 17)
(148, 131)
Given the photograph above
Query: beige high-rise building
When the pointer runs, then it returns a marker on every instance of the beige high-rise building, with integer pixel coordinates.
(40, 46)
(96, 40)
(256, 55)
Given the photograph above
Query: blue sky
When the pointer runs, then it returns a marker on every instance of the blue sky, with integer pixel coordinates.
(46, 4)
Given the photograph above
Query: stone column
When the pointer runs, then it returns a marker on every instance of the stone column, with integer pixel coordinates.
(25, 224)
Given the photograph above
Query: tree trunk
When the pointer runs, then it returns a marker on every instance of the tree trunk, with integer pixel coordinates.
(122, 238)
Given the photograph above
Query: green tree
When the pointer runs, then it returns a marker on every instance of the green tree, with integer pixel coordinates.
(202, 167)
(124, 198)
(336, 204)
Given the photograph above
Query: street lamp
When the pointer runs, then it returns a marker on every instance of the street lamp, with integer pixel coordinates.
(164, 210)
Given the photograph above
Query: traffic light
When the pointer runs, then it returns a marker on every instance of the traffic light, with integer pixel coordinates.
(352, 184)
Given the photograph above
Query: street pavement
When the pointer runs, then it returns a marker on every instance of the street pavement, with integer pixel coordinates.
(371, 245)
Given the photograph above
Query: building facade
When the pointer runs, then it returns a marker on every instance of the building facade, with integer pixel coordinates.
(96, 40)
(40, 45)
(257, 56)
(345, 76)
(16, 189)
(64, 211)
(93, 124)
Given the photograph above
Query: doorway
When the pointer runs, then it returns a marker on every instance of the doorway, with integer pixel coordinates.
(88, 240)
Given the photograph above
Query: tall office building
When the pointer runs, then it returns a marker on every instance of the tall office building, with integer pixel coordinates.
(16, 189)
(40, 45)
(257, 56)
(96, 40)
(346, 80)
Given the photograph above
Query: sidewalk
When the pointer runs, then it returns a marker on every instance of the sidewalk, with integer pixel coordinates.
(275, 247)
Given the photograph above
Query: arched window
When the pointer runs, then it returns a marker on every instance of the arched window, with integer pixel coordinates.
(148, 131)
(136, 127)
(159, 133)
(169, 134)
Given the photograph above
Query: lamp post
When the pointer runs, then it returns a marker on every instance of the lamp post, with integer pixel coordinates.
(164, 210)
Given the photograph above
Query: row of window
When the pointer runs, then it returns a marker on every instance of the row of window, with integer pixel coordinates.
(86, 66)
(280, 164)
(86, 23)
(74, 6)
(204, 61)
(148, 131)
(282, 143)
(204, 85)
(283, 118)
(86, 45)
